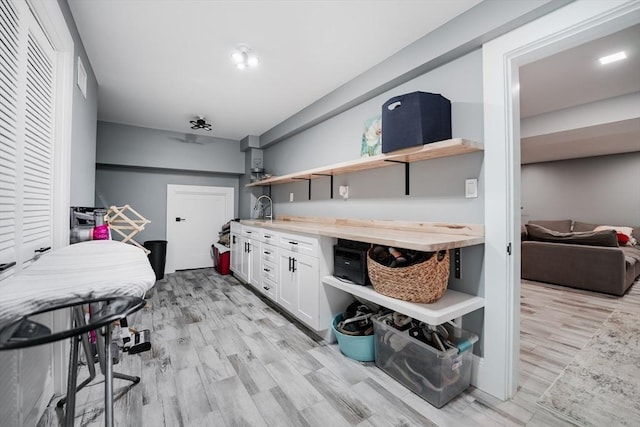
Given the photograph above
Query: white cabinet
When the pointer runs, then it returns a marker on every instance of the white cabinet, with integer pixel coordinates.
(245, 253)
(269, 270)
(299, 284)
(300, 290)
(287, 268)
(236, 253)
(254, 261)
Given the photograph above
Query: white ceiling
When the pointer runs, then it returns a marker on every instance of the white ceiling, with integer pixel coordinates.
(575, 77)
(161, 63)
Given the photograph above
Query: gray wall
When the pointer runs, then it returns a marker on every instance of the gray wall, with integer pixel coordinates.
(126, 145)
(145, 190)
(135, 165)
(598, 190)
(84, 120)
(437, 186)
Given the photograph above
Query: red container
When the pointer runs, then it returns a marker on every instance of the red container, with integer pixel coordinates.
(221, 259)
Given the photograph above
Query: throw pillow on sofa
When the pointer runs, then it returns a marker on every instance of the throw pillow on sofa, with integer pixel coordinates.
(625, 236)
(606, 238)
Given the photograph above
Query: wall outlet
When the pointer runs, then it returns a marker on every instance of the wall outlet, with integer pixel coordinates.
(344, 191)
(471, 188)
(291, 197)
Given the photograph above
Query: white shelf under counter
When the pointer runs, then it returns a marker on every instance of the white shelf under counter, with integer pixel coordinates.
(451, 306)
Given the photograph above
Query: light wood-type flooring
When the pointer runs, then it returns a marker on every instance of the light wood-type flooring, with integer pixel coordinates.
(221, 356)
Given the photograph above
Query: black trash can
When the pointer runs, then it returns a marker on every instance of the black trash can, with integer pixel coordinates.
(157, 256)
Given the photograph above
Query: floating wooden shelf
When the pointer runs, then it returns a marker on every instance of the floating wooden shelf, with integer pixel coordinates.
(450, 147)
(452, 305)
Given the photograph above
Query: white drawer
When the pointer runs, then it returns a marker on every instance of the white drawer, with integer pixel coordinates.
(269, 288)
(251, 232)
(297, 243)
(269, 236)
(270, 254)
(270, 271)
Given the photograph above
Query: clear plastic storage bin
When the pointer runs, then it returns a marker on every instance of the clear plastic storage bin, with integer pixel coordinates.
(434, 375)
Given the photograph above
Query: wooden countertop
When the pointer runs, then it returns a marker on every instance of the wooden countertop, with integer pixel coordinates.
(422, 236)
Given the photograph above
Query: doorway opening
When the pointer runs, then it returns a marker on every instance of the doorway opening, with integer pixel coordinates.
(565, 28)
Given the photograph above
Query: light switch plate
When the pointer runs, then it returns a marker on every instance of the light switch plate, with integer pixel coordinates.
(291, 197)
(471, 188)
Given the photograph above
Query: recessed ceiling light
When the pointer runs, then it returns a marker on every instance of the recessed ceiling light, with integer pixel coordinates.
(613, 58)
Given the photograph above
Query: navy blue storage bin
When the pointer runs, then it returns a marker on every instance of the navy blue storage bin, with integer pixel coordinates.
(414, 119)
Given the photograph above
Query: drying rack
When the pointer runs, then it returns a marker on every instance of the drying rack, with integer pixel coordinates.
(125, 221)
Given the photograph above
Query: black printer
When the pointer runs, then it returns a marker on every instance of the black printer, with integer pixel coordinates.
(350, 261)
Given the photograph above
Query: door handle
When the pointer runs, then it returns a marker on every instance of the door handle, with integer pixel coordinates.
(293, 269)
(248, 247)
(234, 239)
(290, 263)
(178, 219)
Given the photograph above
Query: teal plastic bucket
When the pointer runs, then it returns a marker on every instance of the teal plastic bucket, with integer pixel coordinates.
(361, 348)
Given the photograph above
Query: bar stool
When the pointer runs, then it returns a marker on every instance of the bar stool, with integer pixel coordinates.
(21, 332)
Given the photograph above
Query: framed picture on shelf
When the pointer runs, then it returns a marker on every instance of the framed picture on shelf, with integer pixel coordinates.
(372, 137)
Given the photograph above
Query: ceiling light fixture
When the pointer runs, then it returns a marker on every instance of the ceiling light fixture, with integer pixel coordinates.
(200, 123)
(618, 56)
(244, 57)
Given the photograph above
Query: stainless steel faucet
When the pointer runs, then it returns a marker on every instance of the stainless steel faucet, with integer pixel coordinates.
(261, 212)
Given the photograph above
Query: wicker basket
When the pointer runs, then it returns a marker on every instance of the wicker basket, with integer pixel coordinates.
(423, 283)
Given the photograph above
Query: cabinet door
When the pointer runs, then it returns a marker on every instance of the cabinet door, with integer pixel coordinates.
(243, 263)
(236, 253)
(307, 277)
(253, 261)
(287, 288)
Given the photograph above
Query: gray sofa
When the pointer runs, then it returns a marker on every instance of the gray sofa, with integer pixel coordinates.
(570, 253)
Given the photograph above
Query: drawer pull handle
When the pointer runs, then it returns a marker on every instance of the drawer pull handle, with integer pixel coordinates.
(267, 236)
(267, 253)
(266, 269)
(7, 266)
(41, 250)
(266, 288)
(293, 243)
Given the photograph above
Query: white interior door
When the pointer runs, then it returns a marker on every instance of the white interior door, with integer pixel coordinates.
(195, 215)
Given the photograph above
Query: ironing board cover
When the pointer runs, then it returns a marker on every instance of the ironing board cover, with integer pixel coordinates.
(87, 270)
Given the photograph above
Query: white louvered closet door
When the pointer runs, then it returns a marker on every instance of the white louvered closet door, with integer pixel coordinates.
(9, 60)
(26, 136)
(27, 77)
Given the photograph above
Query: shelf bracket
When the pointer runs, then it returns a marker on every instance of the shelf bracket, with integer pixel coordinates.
(406, 174)
(325, 174)
(456, 262)
(309, 180)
